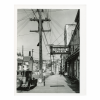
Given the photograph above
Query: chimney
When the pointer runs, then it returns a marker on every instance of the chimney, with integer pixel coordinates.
(29, 53)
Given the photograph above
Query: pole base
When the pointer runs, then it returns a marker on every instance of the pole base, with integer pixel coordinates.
(40, 82)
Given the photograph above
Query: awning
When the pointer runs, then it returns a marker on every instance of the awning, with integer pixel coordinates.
(76, 53)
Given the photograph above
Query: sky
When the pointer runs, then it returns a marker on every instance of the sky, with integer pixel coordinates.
(59, 18)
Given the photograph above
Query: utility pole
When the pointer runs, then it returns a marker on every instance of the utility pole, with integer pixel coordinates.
(22, 50)
(22, 55)
(32, 52)
(61, 64)
(53, 61)
(40, 44)
(33, 60)
(40, 30)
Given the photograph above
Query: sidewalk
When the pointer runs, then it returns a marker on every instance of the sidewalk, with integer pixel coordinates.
(53, 84)
(74, 86)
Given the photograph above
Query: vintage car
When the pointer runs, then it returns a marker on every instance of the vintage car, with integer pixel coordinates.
(25, 79)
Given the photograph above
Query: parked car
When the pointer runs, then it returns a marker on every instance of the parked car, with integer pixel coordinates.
(25, 79)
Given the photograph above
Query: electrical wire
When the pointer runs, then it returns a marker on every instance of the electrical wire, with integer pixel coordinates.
(47, 26)
(57, 38)
(25, 17)
(56, 22)
(42, 37)
(25, 22)
(29, 50)
(26, 13)
(45, 37)
(59, 10)
(24, 34)
(55, 28)
(34, 13)
(19, 25)
(60, 42)
(68, 37)
(23, 26)
(54, 35)
(45, 45)
(50, 28)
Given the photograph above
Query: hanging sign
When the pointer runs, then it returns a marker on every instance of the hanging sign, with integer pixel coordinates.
(59, 49)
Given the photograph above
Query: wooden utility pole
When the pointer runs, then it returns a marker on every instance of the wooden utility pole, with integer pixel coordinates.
(22, 50)
(53, 62)
(32, 52)
(40, 30)
(61, 64)
(40, 44)
(32, 60)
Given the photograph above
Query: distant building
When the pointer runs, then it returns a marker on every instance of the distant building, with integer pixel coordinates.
(19, 62)
(28, 61)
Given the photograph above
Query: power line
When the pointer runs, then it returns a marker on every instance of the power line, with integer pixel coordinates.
(34, 13)
(58, 37)
(29, 50)
(55, 28)
(26, 13)
(45, 38)
(24, 34)
(52, 30)
(23, 26)
(59, 10)
(45, 45)
(25, 17)
(54, 35)
(44, 34)
(60, 42)
(47, 26)
(22, 12)
(56, 22)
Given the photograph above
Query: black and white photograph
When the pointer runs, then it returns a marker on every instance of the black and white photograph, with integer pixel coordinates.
(48, 50)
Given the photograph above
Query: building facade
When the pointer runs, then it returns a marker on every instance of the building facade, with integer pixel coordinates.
(28, 61)
(72, 63)
(19, 62)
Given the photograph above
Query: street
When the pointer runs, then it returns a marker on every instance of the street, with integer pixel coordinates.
(42, 57)
(53, 84)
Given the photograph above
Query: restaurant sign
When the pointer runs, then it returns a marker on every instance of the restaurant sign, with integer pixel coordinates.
(56, 49)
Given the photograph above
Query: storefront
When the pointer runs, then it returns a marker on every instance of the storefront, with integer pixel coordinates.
(73, 66)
